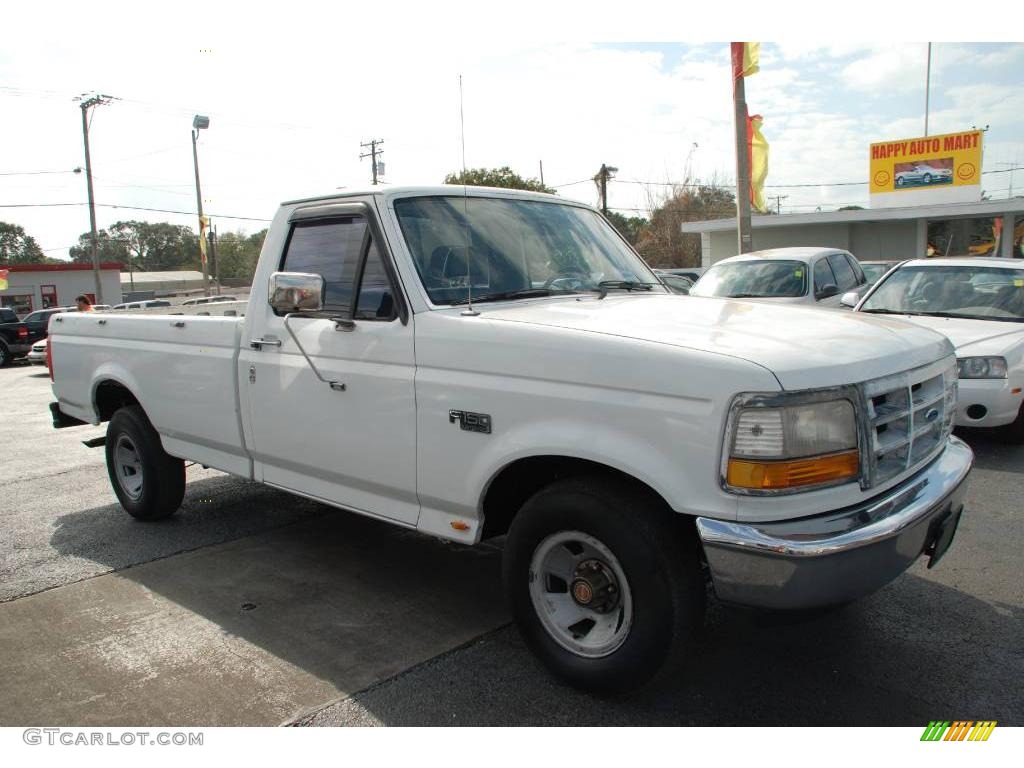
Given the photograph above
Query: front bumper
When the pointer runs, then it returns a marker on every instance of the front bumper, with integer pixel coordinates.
(995, 397)
(839, 556)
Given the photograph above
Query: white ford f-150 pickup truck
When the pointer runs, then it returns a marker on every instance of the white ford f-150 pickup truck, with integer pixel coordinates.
(474, 362)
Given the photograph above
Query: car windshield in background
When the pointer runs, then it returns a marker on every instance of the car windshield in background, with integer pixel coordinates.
(516, 248)
(977, 292)
(753, 280)
(874, 271)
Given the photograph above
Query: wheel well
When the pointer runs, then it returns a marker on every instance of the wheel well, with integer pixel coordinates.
(521, 479)
(110, 396)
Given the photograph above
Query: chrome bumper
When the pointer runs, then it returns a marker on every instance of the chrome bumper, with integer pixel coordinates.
(841, 555)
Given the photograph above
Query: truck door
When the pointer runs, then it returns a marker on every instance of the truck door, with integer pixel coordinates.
(351, 442)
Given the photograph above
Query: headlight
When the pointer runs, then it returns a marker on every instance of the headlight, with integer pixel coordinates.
(792, 447)
(981, 367)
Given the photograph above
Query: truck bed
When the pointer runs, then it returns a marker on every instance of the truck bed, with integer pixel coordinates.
(181, 368)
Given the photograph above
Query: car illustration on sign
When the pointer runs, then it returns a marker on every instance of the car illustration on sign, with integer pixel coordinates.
(924, 173)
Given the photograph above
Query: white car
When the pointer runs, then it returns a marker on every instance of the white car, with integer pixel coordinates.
(979, 304)
(208, 300)
(814, 277)
(37, 355)
(923, 173)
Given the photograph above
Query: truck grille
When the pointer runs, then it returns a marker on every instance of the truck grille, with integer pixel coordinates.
(910, 416)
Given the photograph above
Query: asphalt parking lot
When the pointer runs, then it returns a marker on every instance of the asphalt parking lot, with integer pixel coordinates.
(255, 607)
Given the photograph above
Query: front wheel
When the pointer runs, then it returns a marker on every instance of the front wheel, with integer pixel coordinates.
(604, 583)
(148, 482)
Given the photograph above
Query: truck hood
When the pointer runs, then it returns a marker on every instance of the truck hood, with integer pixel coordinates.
(804, 348)
(968, 335)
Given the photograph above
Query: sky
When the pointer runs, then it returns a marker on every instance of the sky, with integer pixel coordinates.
(292, 91)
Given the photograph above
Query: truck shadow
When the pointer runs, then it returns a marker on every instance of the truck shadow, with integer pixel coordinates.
(324, 604)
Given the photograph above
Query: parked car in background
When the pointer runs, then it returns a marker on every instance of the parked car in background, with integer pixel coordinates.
(979, 304)
(100, 307)
(38, 322)
(37, 355)
(873, 271)
(148, 304)
(207, 300)
(15, 339)
(675, 283)
(808, 276)
(692, 273)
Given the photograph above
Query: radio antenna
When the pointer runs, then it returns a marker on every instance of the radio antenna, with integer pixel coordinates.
(468, 311)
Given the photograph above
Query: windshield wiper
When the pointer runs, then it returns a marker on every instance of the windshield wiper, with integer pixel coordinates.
(745, 296)
(526, 293)
(627, 285)
(881, 311)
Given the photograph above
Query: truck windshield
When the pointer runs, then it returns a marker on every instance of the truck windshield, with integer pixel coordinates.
(515, 247)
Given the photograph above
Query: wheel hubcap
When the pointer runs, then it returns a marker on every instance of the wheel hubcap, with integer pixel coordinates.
(128, 466)
(580, 593)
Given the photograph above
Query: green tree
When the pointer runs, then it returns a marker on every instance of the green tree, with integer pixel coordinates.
(503, 177)
(630, 228)
(107, 248)
(237, 254)
(17, 247)
(143, 245)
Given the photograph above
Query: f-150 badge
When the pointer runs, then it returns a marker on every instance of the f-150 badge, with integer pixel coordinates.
(471, 422)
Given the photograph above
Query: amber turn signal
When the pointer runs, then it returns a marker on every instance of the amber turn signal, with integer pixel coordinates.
(777, 475)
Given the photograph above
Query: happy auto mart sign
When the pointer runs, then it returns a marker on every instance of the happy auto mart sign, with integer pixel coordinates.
(926, 170)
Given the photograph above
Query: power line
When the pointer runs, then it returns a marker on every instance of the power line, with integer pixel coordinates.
(130, 208)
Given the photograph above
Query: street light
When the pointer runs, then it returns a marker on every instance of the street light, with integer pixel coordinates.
(199, 122)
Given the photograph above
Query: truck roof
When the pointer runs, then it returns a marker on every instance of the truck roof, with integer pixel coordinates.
(387, 192)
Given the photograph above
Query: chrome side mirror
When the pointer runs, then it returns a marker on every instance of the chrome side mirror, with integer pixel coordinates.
(296, 292)
(849, 299)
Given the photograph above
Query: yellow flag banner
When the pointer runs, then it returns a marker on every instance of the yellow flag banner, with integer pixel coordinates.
(745, 58)
(204, 222)
(757, 148)
(3, 279)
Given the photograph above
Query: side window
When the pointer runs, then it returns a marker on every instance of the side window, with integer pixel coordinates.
(847, 280)
(376, 301)
(857, 270)
(822, 276)
(330, 249)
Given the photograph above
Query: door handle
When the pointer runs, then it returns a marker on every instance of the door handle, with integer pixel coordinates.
(261, 343)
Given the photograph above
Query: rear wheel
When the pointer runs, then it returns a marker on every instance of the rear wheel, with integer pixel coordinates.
(148, 482)
(604, 583)
(5, 355)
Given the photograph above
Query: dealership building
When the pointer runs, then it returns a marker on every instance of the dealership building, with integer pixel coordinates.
(878, 234)
(41, 286)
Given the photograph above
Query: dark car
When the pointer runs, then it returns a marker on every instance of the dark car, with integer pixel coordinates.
(675, 283)
(15, 340)
(691, 273)
(38, 322)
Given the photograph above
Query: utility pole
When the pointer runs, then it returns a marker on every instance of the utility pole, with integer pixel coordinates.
(372, 154)
(213, 257)
(927, 87)
(86, 105)
(200, 122)
(778, 202)
(541, 172)
(602, 184)
(746, 242)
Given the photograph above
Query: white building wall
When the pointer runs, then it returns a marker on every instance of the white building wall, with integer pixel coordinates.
(725, 244)
(67, 284)
(885, 240)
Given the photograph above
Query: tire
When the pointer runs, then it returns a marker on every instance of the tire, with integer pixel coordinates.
(900, 181)
(148, 482)
(600, 531)
(5, 355)
(927, 178)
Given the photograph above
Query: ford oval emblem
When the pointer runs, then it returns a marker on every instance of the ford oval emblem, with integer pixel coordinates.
(931, 414)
